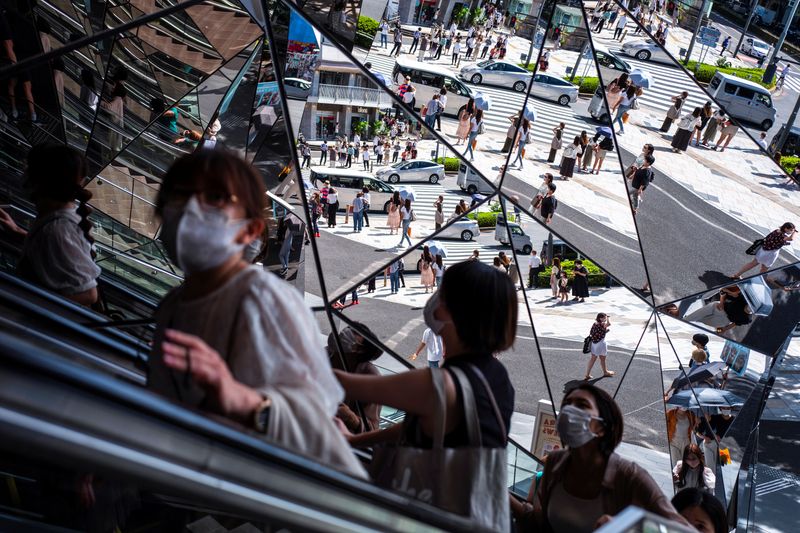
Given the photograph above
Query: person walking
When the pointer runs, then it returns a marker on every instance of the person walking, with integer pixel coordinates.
(315, 208)
(456, 58)
(398, 42)
(476, 128)
(555, 143)
(442, 107)
(620, 26)
(431, 108)
(367, 199)
(713, 125)
(674, 112)
(406, 214)
(464, 116)
(432, 344)
(358, 212)
(426, 275)
(438, 213)
(487, 45)
(323, 152)
(523, 137)
(535, 268)
(511, 132)
(549, 204)
(384, 34)
(333, 207)
(580, 282)
(770, 248)
(438, 269)
(365, 157)
(305, 150)
(705, 116)
(394, 276)
(686, 125)
(571, 152)
(725, 42)
(641, 179)
(626, 103)
(415, 40)
(599, 349)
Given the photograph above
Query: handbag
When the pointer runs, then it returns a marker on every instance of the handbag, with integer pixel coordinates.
(468, 480)
(587, 344)
(413, 216)
(753, 248)
(481, 129)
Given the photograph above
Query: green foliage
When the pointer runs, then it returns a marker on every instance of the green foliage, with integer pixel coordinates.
(366, 29)
(789, 163)
(587, 85)
(379, 127)
(450, 163)
(460, 14)
(477, 16)
(487, 220)
(723, 63)
(362, 128)
(706, 72)
(596, 276)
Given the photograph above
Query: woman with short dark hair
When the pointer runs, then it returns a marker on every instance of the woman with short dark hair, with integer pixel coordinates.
(702, 510)
(586, 484)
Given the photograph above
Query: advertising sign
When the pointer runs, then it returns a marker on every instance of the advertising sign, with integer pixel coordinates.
(545, 437)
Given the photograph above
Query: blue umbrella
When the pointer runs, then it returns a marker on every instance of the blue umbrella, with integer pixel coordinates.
(640, 78)
(482, 101)
(605, 130)
(436, 248)
(383, 78)
(406, 192)
(689, 399)
(529, 112)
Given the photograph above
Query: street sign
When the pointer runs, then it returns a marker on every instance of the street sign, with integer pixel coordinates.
(708, 36)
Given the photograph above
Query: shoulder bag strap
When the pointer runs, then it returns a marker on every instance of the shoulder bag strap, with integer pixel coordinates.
(440, 412)
(470, 409)
(490, 394)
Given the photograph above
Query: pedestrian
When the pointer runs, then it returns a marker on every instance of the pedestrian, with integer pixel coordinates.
(599, 349)
(443, 40)
(686, 125)
(379, 154)
(674, 112)
(713, 125)
(393, 219)
(705, 116)
(395, 151)
(323, 152)
(603, 145)
(464, 115)
(394, 276)
(691, 472)
(415, 40)
(725, 42)
(511, 132)
(367, 199)
(544, 60)
(571, 152)
(770, 248)
(616, 89)
(426, 274)
(641, 179)
(365, 157)
(316, 208)
(535, 268)
(782, 77)
(549, 204)
(384, 34)
(555, 143)
(285, 236)
(306, 151)
(555, 275)
(332, 155)
(701, 509)
(625, 104)
(456, 52)
(429, 111)
(589, 150)
(762, 143)
(524, 135)
(438, 214)
(487, 45)
(442, 107)
(470, 47)
(536, 201)
(432, 344)
(621, 23)
(580, 282)
(406, 217)
(700, 355)
(423, 47)
(438, 269)
(647, 149)
(476, 128)
(358, 212)
(728, 132)
(398, 42)
(333, 207)
(498, 264)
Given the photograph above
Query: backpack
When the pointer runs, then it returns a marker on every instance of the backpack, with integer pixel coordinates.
(529, 138)
(481, 129)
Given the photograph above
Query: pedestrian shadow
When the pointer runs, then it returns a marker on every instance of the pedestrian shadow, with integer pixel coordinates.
(714, 278)
(785, 185)
(662, 149)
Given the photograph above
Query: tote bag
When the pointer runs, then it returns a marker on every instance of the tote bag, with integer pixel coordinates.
(470, 480)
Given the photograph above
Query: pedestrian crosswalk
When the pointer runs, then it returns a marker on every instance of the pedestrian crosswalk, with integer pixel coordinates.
(507, 103)
(668, 80)
(792, 82)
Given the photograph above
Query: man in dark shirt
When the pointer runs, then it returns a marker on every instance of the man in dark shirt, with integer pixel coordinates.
(641, 179)
(549, 204)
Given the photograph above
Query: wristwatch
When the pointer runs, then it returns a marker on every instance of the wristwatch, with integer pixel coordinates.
(261, 415)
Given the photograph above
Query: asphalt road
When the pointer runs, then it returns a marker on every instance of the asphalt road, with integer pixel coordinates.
(689, 246)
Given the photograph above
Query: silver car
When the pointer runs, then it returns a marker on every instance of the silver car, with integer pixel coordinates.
(554, 89)
(464, 229)
(646, 50)
(297, 88)
(494, 72)
(755, 47)
(411, 170)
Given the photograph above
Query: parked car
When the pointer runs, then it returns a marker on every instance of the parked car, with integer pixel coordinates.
(464, 229)
(554, 89)
(349, 182)
(597, 107)
(646, 50)
(429, 80)
(494, 72)
(755, 47)
(297, 88)
(610, 66)
(792, 145)
(471, 182)
(743, 99)
(520, 240)
(412, 170)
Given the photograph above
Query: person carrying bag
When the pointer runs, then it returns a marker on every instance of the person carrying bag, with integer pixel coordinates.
(479, 491)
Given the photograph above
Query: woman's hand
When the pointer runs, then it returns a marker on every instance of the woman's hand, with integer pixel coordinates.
(603, 520)
(187, 353)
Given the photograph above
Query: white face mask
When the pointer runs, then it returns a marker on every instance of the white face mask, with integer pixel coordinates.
(200, 238)
(431, 321)
(573, 426)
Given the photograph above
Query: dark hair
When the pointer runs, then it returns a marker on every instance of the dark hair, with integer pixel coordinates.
(369, 350)
(700, 338)
(649, 148)
(650, 159)
(600, 316)
(479, 115)
(577, 140)
(494, 329)
(551, 186)
(55, 172)
(695, 450)
(787, 225)
(693, 497)
(443, 91)
(87, 78)
(609, 411)
(407, 204)
(557, 261)
(215, 169)
(697, 111)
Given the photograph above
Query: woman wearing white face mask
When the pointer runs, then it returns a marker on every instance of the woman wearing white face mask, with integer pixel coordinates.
(587, 484)
(233, 338)
(470, 343)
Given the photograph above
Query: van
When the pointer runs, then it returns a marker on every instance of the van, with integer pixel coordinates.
(610, 65)
(470, 181)
(520, 239)
(791, 146)
(597, 107)
(429, 80)
(348, 183)
(743, 99)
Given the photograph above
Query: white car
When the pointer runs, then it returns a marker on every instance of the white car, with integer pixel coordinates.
(755, 47)
(464, 229)
(646, 50)
(297, 88)
(554, 88)
(494, 72)
(411, 170)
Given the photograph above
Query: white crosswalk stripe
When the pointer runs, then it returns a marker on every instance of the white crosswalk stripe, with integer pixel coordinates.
(668, 80)
(792, 82)
(506, 103)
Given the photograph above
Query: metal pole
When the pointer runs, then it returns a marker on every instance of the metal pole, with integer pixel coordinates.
(746, 26)
(700, 16)
(533, 35)
(787, 127)
(550, 248)
(772, 66)
(578, 61)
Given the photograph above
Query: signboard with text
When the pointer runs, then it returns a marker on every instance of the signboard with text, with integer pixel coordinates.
(545, 436)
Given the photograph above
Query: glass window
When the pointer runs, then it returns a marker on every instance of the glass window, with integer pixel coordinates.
(516, 231)
(764, 99)
(715, 82)
(744, 92)
(730, 88)
(430, 79)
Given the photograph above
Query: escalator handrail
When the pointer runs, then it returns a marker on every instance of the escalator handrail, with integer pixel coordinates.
(33, 361)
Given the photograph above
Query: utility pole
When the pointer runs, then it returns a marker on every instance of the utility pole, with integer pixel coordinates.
(533, 35)
(700, 16)
(753, 6)
(787, 127)
(578, 61)
(769, 72)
